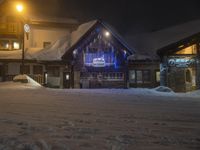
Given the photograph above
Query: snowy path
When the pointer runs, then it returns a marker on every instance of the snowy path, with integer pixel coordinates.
(46, 119)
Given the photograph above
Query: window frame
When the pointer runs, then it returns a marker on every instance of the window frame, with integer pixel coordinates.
(9, 46)
(135, 81)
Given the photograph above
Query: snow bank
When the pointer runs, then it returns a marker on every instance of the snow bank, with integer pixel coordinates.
(163, 89)
(26, 79)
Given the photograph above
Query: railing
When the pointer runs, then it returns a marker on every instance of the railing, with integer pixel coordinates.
(38, 78)
(9, 77)
(10, 28)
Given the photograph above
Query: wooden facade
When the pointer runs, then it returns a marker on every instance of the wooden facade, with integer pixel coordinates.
(98, 60)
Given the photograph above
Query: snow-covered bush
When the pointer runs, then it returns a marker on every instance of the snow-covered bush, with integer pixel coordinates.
(163, 89)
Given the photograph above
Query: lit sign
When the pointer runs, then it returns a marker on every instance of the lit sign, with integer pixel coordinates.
(99, 62)
(181, 62)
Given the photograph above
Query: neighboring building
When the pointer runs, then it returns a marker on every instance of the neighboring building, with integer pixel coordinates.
(43, 32)
(144, 71)
(179, 54)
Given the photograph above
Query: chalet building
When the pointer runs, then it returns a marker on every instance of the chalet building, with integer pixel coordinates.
(97, 57)
(25, 36)
(176, 50)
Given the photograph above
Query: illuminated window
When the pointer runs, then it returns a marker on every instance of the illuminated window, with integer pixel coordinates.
(188, 50)
(4, 44)
(16, 45)
(157, 76)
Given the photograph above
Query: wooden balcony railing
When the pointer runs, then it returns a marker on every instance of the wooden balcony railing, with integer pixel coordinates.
(37, 78)
(10, 28)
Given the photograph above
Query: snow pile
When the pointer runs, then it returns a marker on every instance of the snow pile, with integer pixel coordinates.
(58, 49)
(26, 79)
(193, 93)
(163, 89)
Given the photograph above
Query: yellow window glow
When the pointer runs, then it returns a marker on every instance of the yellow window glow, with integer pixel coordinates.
(16, 45)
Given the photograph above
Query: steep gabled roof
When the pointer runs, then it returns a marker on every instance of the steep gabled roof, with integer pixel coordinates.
(84, 29)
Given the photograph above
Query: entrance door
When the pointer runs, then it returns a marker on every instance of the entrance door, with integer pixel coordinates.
(66, 79)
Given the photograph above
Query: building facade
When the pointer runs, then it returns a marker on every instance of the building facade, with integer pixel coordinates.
(98, 59)
(31, 35)
(180, 69)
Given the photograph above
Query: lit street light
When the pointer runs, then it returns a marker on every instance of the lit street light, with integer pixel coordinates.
(19, 7)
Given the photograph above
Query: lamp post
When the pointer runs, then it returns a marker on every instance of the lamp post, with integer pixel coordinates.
(26, 29)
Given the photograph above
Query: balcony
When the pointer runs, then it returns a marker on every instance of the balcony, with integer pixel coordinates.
(10, 29)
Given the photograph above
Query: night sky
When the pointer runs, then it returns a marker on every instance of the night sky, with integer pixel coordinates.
(127, 16)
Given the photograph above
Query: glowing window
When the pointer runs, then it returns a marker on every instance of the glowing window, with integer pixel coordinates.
(67, 76)
(157, 76)
(16, 45)
(188, 50)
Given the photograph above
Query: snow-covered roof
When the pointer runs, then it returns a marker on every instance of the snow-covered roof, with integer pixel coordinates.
(62, 45)
(77, 35)
(81, 31)
(150, 43)
(58, 49)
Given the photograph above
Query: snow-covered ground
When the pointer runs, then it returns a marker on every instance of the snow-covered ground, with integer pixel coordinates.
(36, 118)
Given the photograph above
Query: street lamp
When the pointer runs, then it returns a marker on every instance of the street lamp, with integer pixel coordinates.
(20, 8)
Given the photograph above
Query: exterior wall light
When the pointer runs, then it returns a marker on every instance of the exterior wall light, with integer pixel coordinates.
(107, 34)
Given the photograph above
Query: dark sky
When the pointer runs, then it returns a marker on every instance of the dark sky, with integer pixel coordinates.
(127, 16)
